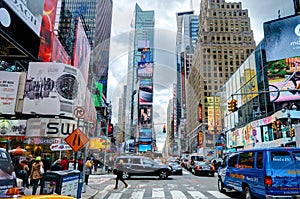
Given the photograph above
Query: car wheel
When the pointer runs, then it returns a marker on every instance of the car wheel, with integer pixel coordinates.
(126, 175)
(221, 186)
(247, 193)
(163, 174)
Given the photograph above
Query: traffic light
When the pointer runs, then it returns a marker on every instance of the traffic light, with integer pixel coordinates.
(292, 133)
(274, 125)
(278, 125)
(164, 128)
(232, 105)
(110, 130)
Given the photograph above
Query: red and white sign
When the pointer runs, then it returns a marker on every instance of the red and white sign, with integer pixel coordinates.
(9, 82)
(60, 147)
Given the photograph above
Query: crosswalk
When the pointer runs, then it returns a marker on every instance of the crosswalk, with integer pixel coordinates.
(157, 193)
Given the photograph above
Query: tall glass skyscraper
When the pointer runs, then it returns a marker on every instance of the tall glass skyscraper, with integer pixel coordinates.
(140, 56)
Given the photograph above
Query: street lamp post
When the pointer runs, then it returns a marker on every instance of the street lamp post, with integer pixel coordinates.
(108, 109)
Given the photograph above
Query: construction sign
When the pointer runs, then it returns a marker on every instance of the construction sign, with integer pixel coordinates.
(76, 140)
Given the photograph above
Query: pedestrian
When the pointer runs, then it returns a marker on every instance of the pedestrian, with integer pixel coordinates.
(57, 165)
(88, 170)
(96, 162)
(65, 163)
(37, 171)
(22, 174)
(121, 169)
(80, 164)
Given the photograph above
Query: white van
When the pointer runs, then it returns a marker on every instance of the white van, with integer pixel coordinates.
(194, 157)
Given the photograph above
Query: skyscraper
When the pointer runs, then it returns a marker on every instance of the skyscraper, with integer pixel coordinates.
(186, 41)
(225, 41)
(139, 79)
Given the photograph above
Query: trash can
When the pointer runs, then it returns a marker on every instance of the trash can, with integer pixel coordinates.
(61, 182)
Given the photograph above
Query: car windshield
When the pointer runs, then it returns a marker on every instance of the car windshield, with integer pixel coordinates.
(151, 88)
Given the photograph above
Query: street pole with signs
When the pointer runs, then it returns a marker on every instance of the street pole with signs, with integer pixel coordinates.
(108, 110)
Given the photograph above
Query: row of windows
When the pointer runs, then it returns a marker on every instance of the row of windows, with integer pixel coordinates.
(219, 50)
(229, 13)
(227, 5)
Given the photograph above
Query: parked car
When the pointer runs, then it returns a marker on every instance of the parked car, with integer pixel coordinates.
(262, 173)
(176, 168)
(143, 166)
(203, 168)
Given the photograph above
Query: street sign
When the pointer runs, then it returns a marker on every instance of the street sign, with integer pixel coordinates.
(79, 112)
(76, 140)
(60, 147)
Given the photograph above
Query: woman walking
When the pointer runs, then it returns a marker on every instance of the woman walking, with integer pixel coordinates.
(36, 173)
(120, 168)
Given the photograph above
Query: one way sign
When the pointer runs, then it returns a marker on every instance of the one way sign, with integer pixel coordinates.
(76, 140)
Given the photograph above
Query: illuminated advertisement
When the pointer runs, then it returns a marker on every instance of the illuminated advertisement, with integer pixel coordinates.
(146, 91)
(12, 127)
(143, 45)
(283, 77)
(47, 27)
(145, 147)
(82, 51)
(200, 112)
(282, 38)
(145, 69)
(145, 116)
(145, 56)
(53, 89)
(9, 82)
(59, 54)
(214, 114)
(29, 11)
(200, 139)
(145, 135)
(99, 143)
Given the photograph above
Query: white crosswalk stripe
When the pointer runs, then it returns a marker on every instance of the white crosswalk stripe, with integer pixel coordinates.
(137, 193)
(177, 195)
(115, 196)
(197, 194)
(217, 194)
(158, 193)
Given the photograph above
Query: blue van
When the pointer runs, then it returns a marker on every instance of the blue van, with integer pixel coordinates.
(262, 173)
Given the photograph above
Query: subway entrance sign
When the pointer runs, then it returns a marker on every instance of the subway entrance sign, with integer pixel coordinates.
(76, 140)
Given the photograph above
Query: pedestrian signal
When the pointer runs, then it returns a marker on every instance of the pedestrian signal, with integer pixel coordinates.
(292, 132)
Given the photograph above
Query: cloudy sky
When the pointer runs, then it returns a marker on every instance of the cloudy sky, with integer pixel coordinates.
(165, 31)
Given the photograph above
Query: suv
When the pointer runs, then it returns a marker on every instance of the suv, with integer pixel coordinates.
(192, 159)
(262, 173)
(143, 166)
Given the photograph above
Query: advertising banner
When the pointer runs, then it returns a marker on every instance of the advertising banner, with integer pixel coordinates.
(82, 51)
(99, 143)
(145, 69)
(282, 38)
(145, 147)
(145, 135)
(12, 127)
(9, 82)
(29, 11)
(145, 116)
(146, 93)
(50, 127)
(53, 89)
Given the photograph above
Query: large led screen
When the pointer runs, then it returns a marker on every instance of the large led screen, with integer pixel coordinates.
(145, 116)
(59, 54)
(146, 91)
(12, 127)
(284, 78)
(145, 135)
(282, 38)
(145, 69)
(145, 147)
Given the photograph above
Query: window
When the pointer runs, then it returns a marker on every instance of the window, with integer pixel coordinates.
(281, 160)
(136, 161)
(233, 161)
(147, 162)
(246, 160)
(259, 160)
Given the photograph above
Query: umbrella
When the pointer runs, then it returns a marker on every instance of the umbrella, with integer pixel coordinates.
(18, 151)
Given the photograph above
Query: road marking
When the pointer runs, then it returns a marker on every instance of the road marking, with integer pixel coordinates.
(197, 194)
(158, 193)
(137, 193)
(115, 196)
(177, 195)
(217, 194)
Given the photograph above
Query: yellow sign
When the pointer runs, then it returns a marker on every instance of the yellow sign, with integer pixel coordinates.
(76, 140)
(99, 143)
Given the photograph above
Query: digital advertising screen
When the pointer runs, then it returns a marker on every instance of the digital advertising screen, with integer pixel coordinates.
(145, 134)
(145, 69)
(145, 116)
(145, 147)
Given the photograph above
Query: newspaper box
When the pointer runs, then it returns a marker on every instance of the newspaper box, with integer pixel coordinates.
(61, 182)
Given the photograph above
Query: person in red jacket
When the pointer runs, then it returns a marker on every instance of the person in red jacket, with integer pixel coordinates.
(65, 163)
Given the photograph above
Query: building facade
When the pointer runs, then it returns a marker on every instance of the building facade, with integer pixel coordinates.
(225, 41)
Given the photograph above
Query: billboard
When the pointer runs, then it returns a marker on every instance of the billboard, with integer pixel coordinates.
(145, 69)
(145, 56)
(11, 21)
(12, 127)
(143, 45)
(145, 93)
(53, 89)
(145, 147)
(82, 51)
(29, 11)
(282, 38)
(145, 116)
(59, 54)
(145, 135)
(9, 82)
(99, 143)
(50, 127)
(47, 29)
(283, 77)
